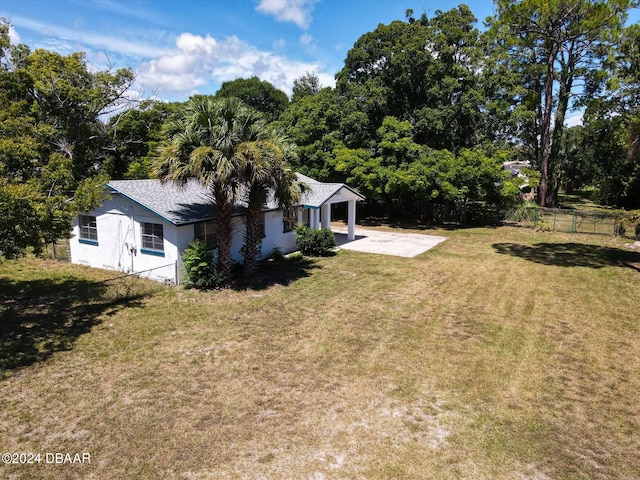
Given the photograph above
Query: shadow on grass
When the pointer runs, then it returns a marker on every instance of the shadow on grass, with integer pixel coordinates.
(280, 271)
(572, 255)
(43, 316)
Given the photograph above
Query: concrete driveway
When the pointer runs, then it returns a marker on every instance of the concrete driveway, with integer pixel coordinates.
(387, 243)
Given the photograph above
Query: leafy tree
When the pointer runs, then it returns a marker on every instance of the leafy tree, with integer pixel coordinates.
(422, 71)
(576, 164)
(395, 143)
(624, 88)
(136, 135)
(553, 44)
(605, 148)
(72, 99)
(19, 219)
(313, 124)
(634, 140)
(258, 94)
(308, 84)
(611, 133)
(52, 140)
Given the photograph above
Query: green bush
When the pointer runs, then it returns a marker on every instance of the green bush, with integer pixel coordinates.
(198, 262)
(315, 243)
(628, 224)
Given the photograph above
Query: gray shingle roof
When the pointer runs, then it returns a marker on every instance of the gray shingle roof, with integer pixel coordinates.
(176, 204)
(320, 192)
(191, 203)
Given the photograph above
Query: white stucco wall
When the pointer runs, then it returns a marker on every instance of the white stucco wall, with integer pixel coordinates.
(274, 236)
(118, 223)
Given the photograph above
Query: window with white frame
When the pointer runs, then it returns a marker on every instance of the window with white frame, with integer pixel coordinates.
(206, 233)
(88, 229)
(152, 238)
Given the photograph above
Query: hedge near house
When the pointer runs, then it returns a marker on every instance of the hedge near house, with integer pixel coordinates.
(315, 243)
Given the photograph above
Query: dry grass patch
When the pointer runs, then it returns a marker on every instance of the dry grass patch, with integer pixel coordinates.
(470, 361)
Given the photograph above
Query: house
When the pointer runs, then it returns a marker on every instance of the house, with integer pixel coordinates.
(145, 225)
(516, 168)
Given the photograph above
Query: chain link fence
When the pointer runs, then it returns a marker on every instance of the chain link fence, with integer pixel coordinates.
(572, 221)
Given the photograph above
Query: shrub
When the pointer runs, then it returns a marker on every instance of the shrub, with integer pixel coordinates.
(315, 243)
(276, 254)
(198, 262)
(628, 223)
(526, 212)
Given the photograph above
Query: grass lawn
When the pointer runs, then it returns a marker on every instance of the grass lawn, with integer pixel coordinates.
(500, 354)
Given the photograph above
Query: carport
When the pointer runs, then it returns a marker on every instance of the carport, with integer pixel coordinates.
(318, 200)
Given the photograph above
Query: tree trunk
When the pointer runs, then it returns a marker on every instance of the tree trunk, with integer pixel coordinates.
(545, 130)
(224, 231)
(566, 83)
(252, 240)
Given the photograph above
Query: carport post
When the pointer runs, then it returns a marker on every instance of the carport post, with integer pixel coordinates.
(325, 215)
(315, 218)
(351, 220)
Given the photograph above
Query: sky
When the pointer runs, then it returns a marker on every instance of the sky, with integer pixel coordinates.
(179, 48)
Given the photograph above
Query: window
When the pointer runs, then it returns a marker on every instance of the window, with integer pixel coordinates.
(88, 230)
(305, 217)
(288, 220)
(152, 239)
(206, 233)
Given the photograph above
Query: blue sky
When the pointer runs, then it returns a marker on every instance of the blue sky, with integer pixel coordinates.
(178, 48)
(181, 47)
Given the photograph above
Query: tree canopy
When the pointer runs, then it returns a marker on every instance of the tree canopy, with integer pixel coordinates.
(258, 94)
(53, 141)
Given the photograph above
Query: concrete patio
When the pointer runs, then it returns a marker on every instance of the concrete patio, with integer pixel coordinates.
(386, 243)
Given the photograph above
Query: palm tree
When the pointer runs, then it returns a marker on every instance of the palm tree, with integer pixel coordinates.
(266, 174)
(209, 142)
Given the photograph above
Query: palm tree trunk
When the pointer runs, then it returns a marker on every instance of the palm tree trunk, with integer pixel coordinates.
(223, 220)
(252, 240)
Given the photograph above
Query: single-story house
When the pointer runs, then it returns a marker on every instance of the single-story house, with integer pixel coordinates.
(144, 225)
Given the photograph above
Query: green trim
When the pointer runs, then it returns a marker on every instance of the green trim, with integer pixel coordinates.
(88, 242)
(157, 253)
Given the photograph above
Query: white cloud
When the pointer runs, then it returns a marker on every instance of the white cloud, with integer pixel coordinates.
(305, 39)
(199, 61)
(110, 43)
(278, 44)
(294, 11)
